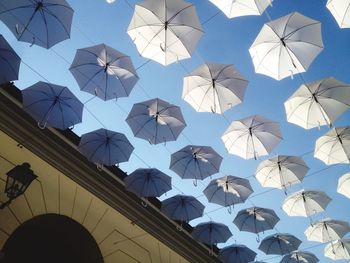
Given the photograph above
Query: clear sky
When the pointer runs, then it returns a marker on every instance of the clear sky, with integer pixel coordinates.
(224, 41)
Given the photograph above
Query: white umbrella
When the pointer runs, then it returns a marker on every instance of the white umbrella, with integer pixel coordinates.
(235, 8)
(318, 103)
(340, 9)
(344, 185)
(286, 46)
(281, 171)
(214, 88)
(252, 137)
(327, 230)
(334, 146)
(305, 203)
(338, 250)
(165, 31)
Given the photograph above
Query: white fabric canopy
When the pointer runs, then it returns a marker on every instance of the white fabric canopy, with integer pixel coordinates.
(340, 9)
(344, 185)
(327, 230)
(338, 250)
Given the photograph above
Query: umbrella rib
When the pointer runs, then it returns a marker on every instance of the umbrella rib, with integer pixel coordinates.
(14, 71)
(48, 11)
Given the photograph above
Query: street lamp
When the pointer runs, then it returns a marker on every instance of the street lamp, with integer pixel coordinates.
(17, 182)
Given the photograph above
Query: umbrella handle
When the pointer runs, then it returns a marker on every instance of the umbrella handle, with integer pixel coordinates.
(99, 167)
(41, 125)
(143, 203)
(179, 228)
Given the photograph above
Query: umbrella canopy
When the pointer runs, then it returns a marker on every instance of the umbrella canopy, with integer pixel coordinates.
(9, 62)
(148, 182)
(338, 250)
(327, 230)
(334, 146)
(228, 190)
(52, 105)
(279, 244)
(340, 9)
(299, 257)
(105, 147)
(182, 207)
(104, 72)
(211, 233)
(195, 162)
(306, 203)
(237, 254)
(252, 137)
(286, 46)
(41, 22)
(156, 121)
(344, 185)
(165, 31)
(256, 219)
(281, 171)
(214, 88)
(318, 103)
(236, 8)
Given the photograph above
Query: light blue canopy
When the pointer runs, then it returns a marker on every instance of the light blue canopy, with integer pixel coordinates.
(9, 62)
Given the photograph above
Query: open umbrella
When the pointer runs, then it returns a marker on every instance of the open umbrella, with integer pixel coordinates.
(279, 244)
(165, 31)
(318, 103)
(211, 233)
(195, 162)
(41, 22)
(281, 171)
(9, 62)
(156, 121)
(327, 230)
(236, 8)
(344, 185)
(236, 253)
(252, 137)
(52, 105)
(182, 207)
(107, 147)
(228, 190)
(299, 257)
(286, 46)
(148, 182)
(338, 250)
(104, 72)
(214, 88)
(340, 9)
(334, 146)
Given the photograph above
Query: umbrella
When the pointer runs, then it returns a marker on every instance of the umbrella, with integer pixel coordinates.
(299, 257)
(327, 230)
(214, 88)
(104, 72)
(334, 146)
(281, 171)
(195, 162)
(318, 103)
(165, 31)
(256, 219)
(252, 137)
(279, 244)
(344, 185)
(306, 203)
(9, 62)
(237, 254)
(41, 22)
(236, 8)
(105, 147)
(286, 46)
(182, 207)
(148, 182)
(156, 121)
(228, 190)
(337, 250)
(52, 105)
(340, 9)
(211, 233)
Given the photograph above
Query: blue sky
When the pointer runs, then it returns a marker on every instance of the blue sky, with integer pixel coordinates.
(224, 41)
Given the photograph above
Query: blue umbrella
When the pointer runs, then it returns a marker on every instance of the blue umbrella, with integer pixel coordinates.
(237, 254)
(182, 207)
(52, 105)
(148, 182)
(279, 244)
(9, 62)
(211, 233)
(105, 147)
(299, 257)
